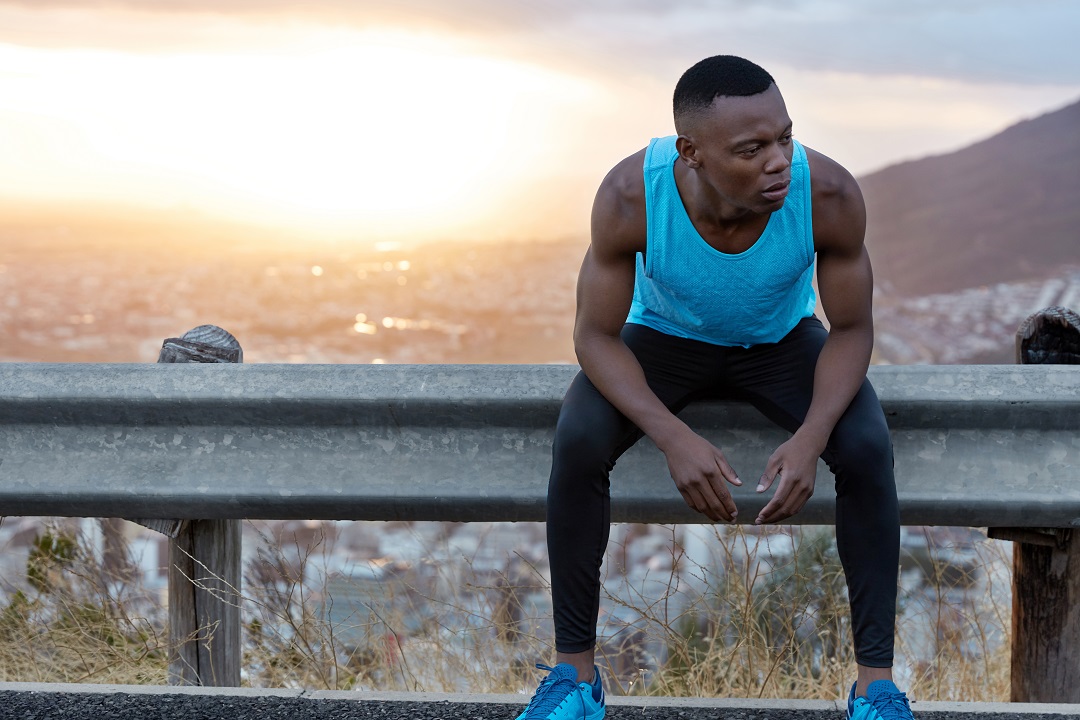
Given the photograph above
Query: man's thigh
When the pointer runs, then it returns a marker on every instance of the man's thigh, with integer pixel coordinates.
(778, 378)
(676, 369)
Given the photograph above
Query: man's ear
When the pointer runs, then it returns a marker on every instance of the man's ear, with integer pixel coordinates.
(688, 151)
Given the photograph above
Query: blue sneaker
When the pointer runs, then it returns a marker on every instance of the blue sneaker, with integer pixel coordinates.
(883, 700)
(561, 697)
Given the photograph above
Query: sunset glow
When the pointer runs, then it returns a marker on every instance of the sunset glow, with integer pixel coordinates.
(368, 122)
(392, 133)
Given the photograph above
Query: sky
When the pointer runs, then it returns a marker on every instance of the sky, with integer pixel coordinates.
(366, 120)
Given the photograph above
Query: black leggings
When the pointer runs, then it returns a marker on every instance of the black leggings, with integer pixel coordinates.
(777, 378)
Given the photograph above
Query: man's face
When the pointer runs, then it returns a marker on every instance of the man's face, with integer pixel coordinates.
(741, 148)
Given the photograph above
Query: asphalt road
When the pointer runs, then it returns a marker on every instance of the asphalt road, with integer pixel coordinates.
(46, 705)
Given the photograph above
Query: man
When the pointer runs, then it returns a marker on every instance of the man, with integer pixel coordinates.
(698, 281)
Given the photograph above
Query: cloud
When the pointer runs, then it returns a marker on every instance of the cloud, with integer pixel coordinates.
(988, 41)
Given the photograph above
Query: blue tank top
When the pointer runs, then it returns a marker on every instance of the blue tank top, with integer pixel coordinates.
(687, 288)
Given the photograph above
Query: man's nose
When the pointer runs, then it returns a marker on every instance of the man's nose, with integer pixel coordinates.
(777, 160)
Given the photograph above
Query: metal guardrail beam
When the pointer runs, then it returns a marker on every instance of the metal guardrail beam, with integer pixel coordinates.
(975, 445)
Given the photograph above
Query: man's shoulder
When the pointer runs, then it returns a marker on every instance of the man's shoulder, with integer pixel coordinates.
(839, 211)
(829, 180)
(619, 222)
(625, 183)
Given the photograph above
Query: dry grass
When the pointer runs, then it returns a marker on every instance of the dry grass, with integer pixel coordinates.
(765, 616)
(75, 621)
(772, 623)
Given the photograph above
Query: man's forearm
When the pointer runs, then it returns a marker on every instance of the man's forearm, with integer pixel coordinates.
(617, 374)
(839, 373)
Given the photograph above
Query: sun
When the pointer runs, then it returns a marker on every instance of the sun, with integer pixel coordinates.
(394, 132)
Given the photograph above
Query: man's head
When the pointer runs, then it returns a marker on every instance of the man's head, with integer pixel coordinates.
(717, 76)
(734, 133)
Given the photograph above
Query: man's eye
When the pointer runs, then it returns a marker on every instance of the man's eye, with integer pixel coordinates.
(749, 152)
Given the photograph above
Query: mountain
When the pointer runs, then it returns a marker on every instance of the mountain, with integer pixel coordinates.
(1004, 209)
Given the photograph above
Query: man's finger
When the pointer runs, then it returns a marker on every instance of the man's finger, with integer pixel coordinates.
(789, 499)
(726, 470)
(717, 500)
(771, 511)
(715, 508)
(726, 503)
(690, 499)
(772, 469)
(765, 514)
(717, 491)
(729, 505)
(699, 503)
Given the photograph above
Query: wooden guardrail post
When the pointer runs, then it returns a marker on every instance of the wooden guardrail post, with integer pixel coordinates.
(1046, 563)
(204, 604)
(204, 558)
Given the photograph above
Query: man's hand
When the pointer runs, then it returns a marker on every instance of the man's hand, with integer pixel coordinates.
(699, 469)
(796, 463)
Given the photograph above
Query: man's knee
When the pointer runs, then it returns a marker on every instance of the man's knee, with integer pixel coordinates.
(581, 440)
(864, 448)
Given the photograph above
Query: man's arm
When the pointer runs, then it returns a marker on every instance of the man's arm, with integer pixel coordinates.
(604, 294)
(845, 283)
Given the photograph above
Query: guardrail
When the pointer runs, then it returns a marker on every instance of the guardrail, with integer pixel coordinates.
(974, 445)
(982, 446)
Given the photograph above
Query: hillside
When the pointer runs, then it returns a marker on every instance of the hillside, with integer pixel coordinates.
(1004, 209)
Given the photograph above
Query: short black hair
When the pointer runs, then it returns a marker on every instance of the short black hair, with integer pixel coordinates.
(715, 77)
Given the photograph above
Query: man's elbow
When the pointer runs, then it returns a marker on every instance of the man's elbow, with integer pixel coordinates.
(584, 340)
(587, 339)
(859, 331)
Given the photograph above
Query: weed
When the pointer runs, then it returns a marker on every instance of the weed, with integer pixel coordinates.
(708, 611)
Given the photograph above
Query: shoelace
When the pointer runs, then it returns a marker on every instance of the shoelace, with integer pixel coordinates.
(862, 710)
(547, 698)
(886, 706)
(892, 706)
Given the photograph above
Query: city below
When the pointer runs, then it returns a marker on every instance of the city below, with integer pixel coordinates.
(439, 303)
(455, 303)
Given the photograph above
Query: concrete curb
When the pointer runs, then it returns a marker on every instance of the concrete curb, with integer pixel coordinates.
(104, 689)
(719, 707)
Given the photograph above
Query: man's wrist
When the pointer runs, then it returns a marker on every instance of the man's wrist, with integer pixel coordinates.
(666, 432)
(813, 436)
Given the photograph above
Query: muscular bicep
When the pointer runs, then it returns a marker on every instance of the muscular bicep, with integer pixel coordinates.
(605, 286)
(846, 286)
(604, 292)
(845, 278)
